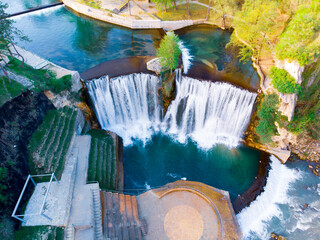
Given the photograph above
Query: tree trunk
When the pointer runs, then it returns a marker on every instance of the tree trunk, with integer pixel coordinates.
(175, 4)
(6, 74)
(22, 58)
(188, 7)
(208, 12)
(129, 7)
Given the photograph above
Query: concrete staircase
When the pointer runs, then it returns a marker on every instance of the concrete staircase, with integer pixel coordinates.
(120, 217)
(97, 215)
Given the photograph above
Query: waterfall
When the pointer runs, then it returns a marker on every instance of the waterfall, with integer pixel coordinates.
(253, 219)
(186, 57)
(128, 105)
(207, 112)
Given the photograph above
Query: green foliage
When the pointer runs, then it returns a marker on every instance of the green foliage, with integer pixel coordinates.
(306, 117)
(256, 23)
(300, 41)
(267, 114)
(48, 146)
(39, 233)
(169, 51)
(160, 4)
(90, 3)
(6, 227)
(3, 187)
(42, 79)
(9, 90)
(7, 31)
(60, 84)
(283, 81)
(172, 14)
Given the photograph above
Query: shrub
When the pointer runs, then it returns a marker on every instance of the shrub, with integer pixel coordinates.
(60, 84)
(267, 114)
(283, 81)
(169, 51)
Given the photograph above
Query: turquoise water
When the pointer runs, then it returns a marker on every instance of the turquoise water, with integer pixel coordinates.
(162, 160)
(208, 46)
(79, 43)
(15, 6)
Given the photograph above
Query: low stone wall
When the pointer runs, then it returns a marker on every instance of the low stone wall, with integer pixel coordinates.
(110, 17)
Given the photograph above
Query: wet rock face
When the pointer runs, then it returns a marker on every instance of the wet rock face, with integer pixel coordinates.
(19, 118)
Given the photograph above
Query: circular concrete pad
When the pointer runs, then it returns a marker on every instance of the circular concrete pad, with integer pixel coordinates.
(183, 222)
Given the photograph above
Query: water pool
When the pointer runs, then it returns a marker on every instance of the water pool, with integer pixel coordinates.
(163, 160)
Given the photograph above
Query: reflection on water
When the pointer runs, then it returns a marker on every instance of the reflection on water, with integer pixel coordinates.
(15, 6)
(208, 45)
(79, 43)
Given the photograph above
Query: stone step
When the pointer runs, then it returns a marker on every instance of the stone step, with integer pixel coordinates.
(120, 217)
(123, 215)
(129, 216)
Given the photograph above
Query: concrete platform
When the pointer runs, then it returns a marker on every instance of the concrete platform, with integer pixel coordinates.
(188, 211)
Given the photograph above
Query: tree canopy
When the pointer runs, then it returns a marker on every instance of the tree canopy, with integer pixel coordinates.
(300, 41)
(169, 51)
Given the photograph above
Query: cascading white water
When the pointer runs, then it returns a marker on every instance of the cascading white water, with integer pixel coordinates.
(209, 113)
(186, 57)
(253, 219)
(128, 105)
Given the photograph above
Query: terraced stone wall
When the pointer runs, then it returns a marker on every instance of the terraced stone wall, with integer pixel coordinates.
(49, 144)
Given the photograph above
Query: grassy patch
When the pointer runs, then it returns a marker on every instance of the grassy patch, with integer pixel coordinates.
(9, 90)
(39, 233)
(91, 3)
(101, 166)
(49, 144)
(196, 12)
(42, 79)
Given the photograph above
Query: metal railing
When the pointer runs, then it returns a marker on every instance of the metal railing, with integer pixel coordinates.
(41, 212)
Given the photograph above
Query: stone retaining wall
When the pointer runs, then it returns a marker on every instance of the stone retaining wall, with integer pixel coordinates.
(110, 17)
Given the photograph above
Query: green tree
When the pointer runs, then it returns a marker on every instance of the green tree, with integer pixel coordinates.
(255, 25)
(163, 4)
(300, 41)
(7, 35)
(283, 81)
(267, 114)
(169, 51)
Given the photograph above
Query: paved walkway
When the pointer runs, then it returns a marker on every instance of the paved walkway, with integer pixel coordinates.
(81, 214)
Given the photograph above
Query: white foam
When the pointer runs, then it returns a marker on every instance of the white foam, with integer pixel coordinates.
(186, 57)
(208, 113)
(253, 219)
